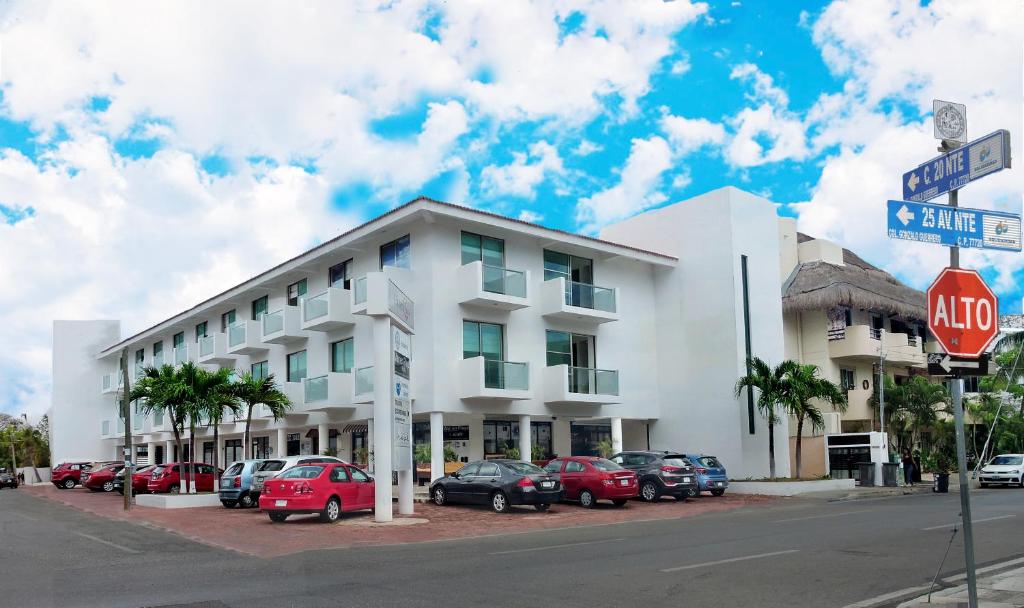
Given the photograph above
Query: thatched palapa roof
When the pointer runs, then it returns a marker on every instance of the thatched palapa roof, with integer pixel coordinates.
(819, 285)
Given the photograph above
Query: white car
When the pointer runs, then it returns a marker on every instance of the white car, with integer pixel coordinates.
(271, 467)
(1004, 469)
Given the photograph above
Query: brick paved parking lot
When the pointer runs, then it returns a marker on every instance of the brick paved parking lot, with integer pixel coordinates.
(250, 531)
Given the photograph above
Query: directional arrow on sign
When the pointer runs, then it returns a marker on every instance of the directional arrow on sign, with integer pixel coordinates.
(948, 364)
(942, 364)
(905, 215)
(912, 182)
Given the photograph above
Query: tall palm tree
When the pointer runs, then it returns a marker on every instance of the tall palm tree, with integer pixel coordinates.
(214, 394)
(252, 391)
(193, 410)
(772, 389)
(161, 390)
(805, 387)
(925, 400)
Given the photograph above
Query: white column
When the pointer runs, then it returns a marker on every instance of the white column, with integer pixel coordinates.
(281, 450)
(405, 490)
(369, 445)
(525, 439)
(436, 445)
(616, 435)
(323, 437)
(151, 450)
(382, 418)
(168, 450)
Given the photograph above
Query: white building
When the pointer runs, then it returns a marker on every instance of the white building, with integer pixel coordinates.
(523, 336)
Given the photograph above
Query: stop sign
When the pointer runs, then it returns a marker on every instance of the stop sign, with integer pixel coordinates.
(962, 312)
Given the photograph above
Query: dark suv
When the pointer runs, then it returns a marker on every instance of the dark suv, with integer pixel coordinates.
(660, 474)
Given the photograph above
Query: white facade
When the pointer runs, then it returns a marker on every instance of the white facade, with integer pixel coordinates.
(668, 339)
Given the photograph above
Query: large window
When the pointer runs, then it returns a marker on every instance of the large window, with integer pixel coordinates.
(488, 250)
(567, 348)
(295, 292)
(232, 451)
(140, 362)
(501, 434)
(340, 275)
(178, 339)
(396, 253)
(158, 353)
(482, 339)
(259, 307)
(343, 356)
(297, 366)
(847, 379)
(260, 370)
(200, 330)
(261, 447)
(227, 320)
(572, 268)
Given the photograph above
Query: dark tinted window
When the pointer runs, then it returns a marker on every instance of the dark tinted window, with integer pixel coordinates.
(573, 467)
(554, 466)
(676, 460)
(235, 469)
(470, 469)
(489, 469)
(272, 465)
(602, 464)
(710, 462)
(338, 474)
(524, 468)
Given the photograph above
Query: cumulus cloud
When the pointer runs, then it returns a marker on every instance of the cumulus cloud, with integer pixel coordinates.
(522, 176)
(769, 132)
(636, 190)
(690, 134)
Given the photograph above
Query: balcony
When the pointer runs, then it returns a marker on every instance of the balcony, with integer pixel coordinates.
(862, 343)
(363, 385)
(580, 385)
(571, 301)
(182, 353)
(376, 294)
(213, 350)
(283, 326)
(334, 390)
(245, 338)
(492, 379)
(492, 287)
(112, 383)
(328, 311)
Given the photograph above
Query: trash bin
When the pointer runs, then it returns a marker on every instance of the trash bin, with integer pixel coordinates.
(941, 483)
(890, 474)
(867, 473)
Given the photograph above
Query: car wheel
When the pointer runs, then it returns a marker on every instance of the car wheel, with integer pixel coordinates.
(619, 502)
(229, 504)
(649, 491)
(331, 512)
(245, 501)
(68, 484)
(542, 508)
(499, 502)
(277, 516)
(108, 486)
(175, 489)
(693, 492)
(717, 492)
(586, 499)
(440, 498)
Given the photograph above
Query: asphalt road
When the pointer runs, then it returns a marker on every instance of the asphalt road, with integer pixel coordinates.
(791, 553)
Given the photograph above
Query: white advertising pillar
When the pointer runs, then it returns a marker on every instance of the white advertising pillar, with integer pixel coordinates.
(436, 445)
(323, 438)
(525, 440)
(281, 450)
(616, 435)
(382, 418)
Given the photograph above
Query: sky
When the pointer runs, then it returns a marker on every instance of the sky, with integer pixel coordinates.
(153, 154)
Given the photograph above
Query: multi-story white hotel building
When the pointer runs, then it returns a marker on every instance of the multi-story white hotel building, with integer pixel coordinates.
(522, 336)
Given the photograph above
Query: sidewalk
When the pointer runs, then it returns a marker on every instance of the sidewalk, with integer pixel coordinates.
(878, 492)
(1004, 590)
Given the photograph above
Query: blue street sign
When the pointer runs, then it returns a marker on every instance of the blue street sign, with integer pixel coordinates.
(958, 168)
(954, 227)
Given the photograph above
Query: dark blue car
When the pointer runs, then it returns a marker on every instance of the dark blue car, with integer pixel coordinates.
(711, 475)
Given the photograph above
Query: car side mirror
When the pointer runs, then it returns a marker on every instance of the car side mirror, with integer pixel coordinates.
(454, 475)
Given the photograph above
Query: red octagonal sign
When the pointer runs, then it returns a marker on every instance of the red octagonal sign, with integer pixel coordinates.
(962, 312)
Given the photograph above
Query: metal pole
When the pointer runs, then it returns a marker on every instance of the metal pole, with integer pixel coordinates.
(129, 450)
(881, 381)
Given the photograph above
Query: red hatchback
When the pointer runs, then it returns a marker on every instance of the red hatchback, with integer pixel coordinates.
(68, 474)
(101, 479)
(324, 488)
(590, 478)
(167, 477)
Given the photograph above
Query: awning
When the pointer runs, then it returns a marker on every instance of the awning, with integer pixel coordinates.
(316, 433)
(354, 428)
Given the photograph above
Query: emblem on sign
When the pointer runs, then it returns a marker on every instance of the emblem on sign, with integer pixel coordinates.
(950, 120)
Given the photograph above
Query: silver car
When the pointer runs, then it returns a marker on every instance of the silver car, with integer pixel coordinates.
(272, 466)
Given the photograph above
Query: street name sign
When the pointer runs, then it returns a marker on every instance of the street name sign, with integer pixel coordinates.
(954, 226)
(941, 364)
(958, 168)
(962, 312)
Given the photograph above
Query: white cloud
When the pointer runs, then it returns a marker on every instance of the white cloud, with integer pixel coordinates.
(521, 177)
(529, 216)
(690, 134)
(636, 190)
(586, 148)
(764, 85)
(681, 65)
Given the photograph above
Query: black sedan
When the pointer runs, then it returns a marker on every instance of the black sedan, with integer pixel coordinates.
(8, 481)
(499, 483)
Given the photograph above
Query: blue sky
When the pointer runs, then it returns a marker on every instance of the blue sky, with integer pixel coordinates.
(166, 172)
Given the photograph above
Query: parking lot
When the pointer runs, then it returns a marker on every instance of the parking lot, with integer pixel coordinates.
(251, 532)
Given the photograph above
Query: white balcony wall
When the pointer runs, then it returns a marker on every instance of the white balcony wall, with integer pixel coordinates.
(329, 310)
(246, 338)
(602, 302)
(513, 380)
(283, 326)
(557, 389)
(503, 289)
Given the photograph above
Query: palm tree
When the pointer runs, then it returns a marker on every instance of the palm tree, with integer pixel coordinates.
(1009, 341)
(922, 398)
(252, 391)
(805, 386)
(214, 392)
(193, 409)
(772, 390)
(160, 390)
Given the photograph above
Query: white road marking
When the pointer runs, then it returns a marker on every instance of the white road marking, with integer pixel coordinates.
(973, 521)
(779, 521)
(108, 543)
(730, 560)
(887, 598)
(546, 547)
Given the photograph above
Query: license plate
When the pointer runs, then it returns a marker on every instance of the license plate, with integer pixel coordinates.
(686, 480)
(718, 483)
(624, 482)
(547, 484)
(280, 503)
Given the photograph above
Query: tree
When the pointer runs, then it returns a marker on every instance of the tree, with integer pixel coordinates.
(911, 407)
(161, 390)
(252, 391)
(804, 386)
(215, 395)
(771, 386)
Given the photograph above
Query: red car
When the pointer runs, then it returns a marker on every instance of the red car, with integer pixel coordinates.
(325, 488)
(101, 479)
(590, 478)
(140, 480)
(167, 477)
(68, 474)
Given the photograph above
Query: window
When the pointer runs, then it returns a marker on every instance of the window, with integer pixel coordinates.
(358, 475)
(469, 470)
(207, 454)
(232, 450)
(260, 370)
(297, 366)
(302, 472)
(488, 250)
(576, 350)
(396, 253)
(158, 354)
(261, 447)
(573, 467)
(259, 307)
(339, 475)
(572, 268)
(235, 469)
(605, 465)
(178, 339)
(489, 469)
(343, 356)
(847, 379)
(201, 331)
(501, 434)
(340, 275)
(227, 320)
(295, 292)
(554, 466)
(482, 339)
(140, 362)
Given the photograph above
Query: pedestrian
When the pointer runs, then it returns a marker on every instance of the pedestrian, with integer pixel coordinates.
(21, 477)
(908, 468)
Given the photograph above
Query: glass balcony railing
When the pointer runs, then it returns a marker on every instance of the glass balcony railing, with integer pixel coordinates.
(364, 380)
(506, 375)
(180, 354)
(590, 381)
(158, 359)
(585, 295)
(139, 370)
(236, 334)
(273, 322)
(359, 290)
(137, 423)
(206, 346)
(315, 389)
(504, 281)
(315, 307)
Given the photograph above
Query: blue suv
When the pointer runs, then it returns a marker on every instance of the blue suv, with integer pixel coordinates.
(711, 475)
(236, 484)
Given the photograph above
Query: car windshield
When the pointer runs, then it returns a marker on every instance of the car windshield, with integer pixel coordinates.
(524, 468)
(146, 469)
(159, 470)
(271, 465)
(602, 464)
(234, 469)
(303, 472)
(676, 460)
(710, 462)
(1002, 461)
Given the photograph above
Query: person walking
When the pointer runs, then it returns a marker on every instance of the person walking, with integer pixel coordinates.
(908, 468)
